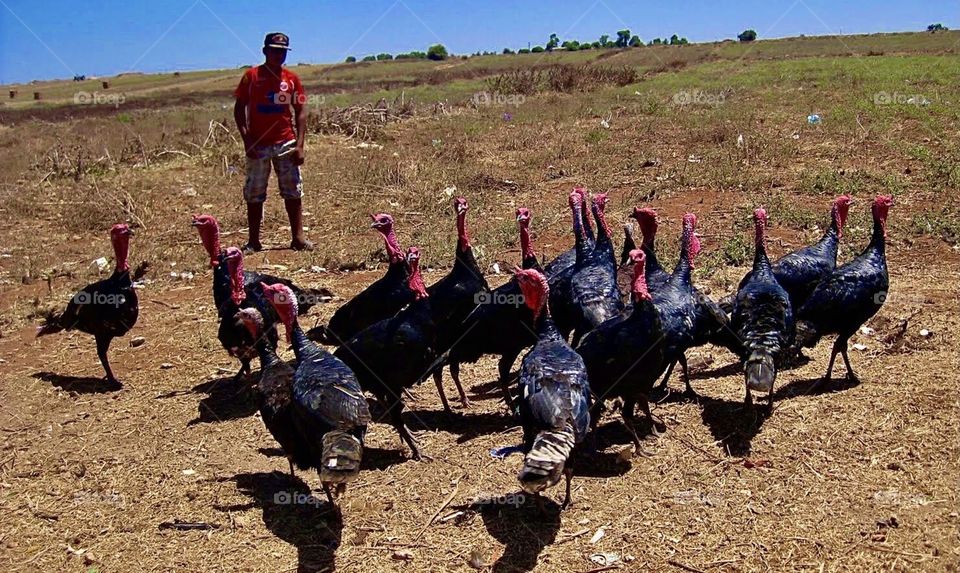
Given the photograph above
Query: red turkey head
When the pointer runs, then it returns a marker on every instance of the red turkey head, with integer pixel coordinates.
(284, 302)
(535, 289)
(575, 198)
(120, 238)
(209, 231)
(523, 219)
(234, 258)
(760, 227)
(881, 208)
(690, 236)
(600, 203)
(463, 239)
(584, 211)
(523, 216)
(647, 221)
(252, 320)
(841, 206)
(639, 284)
(383, 223)
(415, 280)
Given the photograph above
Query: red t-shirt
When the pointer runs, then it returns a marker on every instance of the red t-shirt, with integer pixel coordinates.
(269, 101)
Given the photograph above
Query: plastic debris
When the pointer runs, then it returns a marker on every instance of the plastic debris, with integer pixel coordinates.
(813, 119)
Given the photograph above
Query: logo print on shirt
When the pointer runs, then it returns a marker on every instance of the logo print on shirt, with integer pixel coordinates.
(284, 86)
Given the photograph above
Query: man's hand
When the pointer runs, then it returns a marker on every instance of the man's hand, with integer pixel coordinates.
(249, 147)
(298, 155)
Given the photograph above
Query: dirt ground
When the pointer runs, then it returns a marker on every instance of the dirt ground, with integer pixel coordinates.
(837, 478)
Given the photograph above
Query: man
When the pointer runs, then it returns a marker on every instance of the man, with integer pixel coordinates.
(272, 135)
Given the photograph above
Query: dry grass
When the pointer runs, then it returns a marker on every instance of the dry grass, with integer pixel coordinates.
(842, 478)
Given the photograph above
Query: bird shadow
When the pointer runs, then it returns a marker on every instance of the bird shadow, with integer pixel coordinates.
(78, 384)
(733, 424)
(731, 369)
(380, 459)
(466, 425)
(600, 464)
(228, 398)
(521, 528)
(814, 387)
(295, 515)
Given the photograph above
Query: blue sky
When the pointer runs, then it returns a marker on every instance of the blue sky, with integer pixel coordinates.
(58, 38)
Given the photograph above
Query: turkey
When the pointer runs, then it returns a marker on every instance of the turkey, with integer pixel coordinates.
(625, 355)
(593, 286)
(396, 353)
(850, 295)
(647, 221)
(274, 391)
(454, 296)
(561, 304)
(503, 326)
(209, 230)
(107, 308)
(625, 268)
(566, 259)
(233, 335)
(762, 318)
(382, 299)
(800, 271)
(677, 302)
(555, 397)
(327, 408)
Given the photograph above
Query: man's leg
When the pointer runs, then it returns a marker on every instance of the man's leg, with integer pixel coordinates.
(255, 193)
(254, 219)
(291, 188)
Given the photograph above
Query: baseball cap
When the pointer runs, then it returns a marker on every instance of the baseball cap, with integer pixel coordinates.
(277, 40)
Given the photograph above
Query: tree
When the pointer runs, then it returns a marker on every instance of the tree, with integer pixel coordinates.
(585, 46)
(507, 51)
(674, 40)
(537, 49)
(656, 42)
(437, 52)
(553, 42)
(384, 57)
(684, 41)
(523, 51)
(937, 28)
(596, 45)
(604, 40)
(747, 36)
(369, 58)
(351, 59)
(635, 42)
(570, 45)
(623, 38)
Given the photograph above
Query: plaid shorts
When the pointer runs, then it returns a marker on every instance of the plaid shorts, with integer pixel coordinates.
(258, 173)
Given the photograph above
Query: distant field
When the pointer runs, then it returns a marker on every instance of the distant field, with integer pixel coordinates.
(844, 478)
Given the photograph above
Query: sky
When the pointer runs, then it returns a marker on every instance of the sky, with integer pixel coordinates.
(46, 39)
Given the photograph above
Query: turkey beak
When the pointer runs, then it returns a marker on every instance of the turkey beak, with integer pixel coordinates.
(130, 233)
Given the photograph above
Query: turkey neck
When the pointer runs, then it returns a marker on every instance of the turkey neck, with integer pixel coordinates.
(266, 352)
(628, 244)
(760, 261)
(583, 247)
(878, 241)
(603, 233)
(650, 249)
(546, 329)
(121, 247)
(302, 347)
(585, 220)
(392, 245)
(684, 266)
(529, 257)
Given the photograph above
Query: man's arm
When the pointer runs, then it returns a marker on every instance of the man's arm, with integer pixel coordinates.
(240, 116)
(300, 117)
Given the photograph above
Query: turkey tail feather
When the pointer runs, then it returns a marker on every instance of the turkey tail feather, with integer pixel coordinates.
(544, 463)
(761, 371)
(342, 453)
(52, 323)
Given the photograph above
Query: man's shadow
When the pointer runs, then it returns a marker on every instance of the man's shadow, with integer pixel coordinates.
(296, 515)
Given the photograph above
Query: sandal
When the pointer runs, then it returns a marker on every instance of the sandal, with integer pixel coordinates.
(305, 245)
(250, 248)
